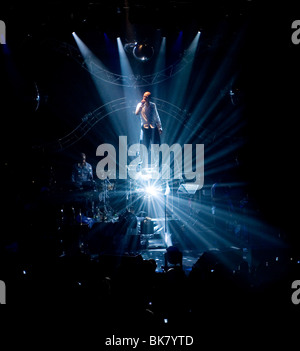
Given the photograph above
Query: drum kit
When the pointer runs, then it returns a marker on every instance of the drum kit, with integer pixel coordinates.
(100, 203)
(87, 202)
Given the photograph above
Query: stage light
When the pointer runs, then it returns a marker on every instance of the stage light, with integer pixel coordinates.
(151, 190)
(128, 47)
(143, 52)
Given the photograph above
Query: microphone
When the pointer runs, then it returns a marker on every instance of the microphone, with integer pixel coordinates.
(143, 101)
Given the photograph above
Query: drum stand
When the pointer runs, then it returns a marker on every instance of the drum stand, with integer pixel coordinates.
(107, 210)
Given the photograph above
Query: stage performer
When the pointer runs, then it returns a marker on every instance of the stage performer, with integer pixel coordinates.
(151, 127)
(82, 172)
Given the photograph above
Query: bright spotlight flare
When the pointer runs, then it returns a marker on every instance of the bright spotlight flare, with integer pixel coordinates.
(151, 190)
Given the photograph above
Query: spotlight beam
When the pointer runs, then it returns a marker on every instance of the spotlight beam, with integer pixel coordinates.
(124, 62)
(129, 93)
(182, 81)
(92, 62)
(160, 63)
(223, 75)
(183, 78)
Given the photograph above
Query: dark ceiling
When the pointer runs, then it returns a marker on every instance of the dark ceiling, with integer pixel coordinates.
(58, 18)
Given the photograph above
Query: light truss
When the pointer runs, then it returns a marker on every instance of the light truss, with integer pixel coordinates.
(132, 81)
(89, 120)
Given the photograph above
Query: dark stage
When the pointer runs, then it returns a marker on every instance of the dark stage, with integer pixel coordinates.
(149, 155)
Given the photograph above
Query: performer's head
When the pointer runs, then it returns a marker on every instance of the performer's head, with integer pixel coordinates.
(82, 157)
(147, 95)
